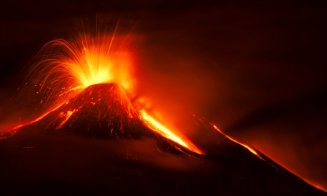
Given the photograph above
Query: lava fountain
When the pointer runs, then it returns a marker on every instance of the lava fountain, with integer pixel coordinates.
(66, 69)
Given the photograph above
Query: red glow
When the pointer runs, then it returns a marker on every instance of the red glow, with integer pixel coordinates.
(37, 119)
(163, 130)
(238, 142)
(256, 154)
(65, 117)
(76, 65)
(316, 185)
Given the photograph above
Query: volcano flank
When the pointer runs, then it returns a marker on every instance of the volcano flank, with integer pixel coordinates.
(118, 154)
(105, 111)
(101, 110)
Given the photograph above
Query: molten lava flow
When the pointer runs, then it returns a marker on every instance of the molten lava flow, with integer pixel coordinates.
(258, 155)
(66, 117)
(38, 118)
(238, 142)
(67, 68)
(169, 134)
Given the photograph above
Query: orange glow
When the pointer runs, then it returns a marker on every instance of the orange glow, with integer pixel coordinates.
(240, 143)
(256, 153)
(85, 61)
(68, 67)
(316, 185)
(37, 119)
(94, 64)
(161, 129)
(66, 117)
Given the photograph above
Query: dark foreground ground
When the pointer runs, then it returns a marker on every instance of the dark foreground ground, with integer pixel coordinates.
(67, 164)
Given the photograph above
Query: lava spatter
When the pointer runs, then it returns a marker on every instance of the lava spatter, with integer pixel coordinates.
(95, 73)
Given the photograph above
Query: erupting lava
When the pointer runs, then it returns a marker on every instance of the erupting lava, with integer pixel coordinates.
(85, 62)
(67, 68)
(93, 76)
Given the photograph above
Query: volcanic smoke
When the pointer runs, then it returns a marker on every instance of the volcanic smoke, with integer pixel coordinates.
(89, 82)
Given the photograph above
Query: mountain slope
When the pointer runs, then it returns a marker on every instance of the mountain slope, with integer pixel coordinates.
(68, 152)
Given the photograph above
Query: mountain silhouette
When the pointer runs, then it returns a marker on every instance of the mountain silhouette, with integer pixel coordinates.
(119, 155)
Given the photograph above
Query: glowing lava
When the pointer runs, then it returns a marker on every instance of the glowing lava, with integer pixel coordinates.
(37, 119)
(63, 66)
(262, 158)
(238, 142)
(166, 132)
(66, 117)
(69, 67)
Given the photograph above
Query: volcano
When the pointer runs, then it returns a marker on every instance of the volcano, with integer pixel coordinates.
(97, 143)
(105, 111)
(101, 110)
(99, 137)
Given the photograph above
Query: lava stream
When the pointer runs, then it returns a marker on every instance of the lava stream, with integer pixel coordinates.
(161, 129)
(253, 151)
(237, 142)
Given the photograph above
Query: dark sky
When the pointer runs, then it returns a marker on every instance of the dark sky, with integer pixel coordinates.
(256, 68)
